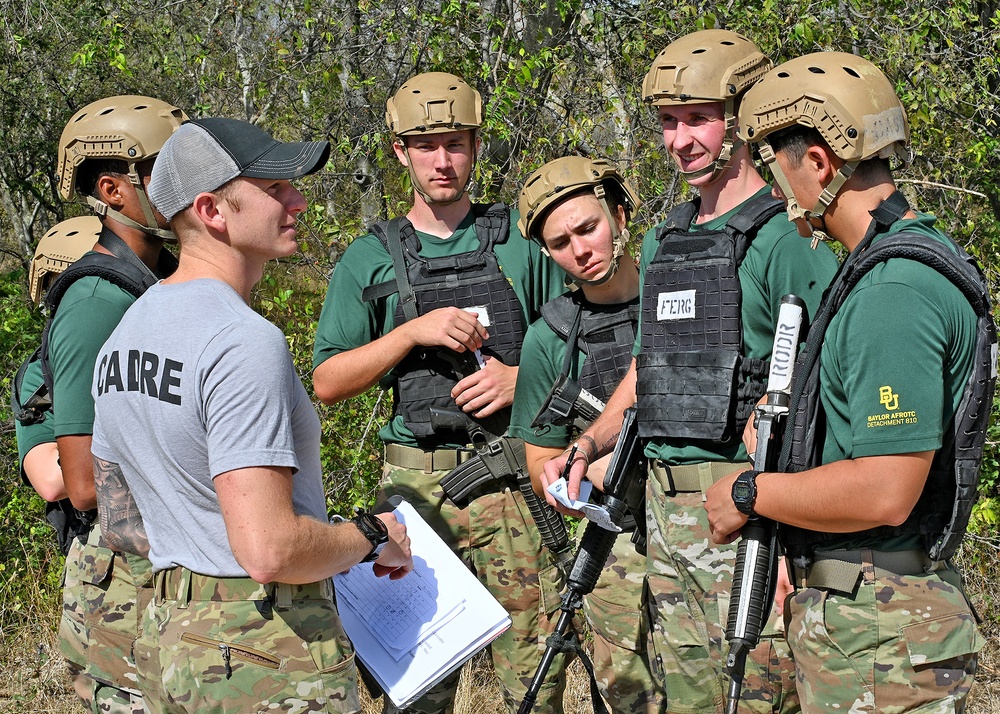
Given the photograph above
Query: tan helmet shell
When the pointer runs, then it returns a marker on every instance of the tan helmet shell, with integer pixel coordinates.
(704, 66)
(131, 128)
(846, 98)
(559, 178)
(63, 245)
(433, 103)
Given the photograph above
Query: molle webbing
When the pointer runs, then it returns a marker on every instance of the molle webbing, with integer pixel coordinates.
(426, 376)
(694, 382)
(606, 338)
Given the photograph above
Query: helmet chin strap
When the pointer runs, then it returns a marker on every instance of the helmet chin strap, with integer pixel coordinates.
(420, 189)
(151, 227)
(618, 240)
(795, 211)
(730, 145)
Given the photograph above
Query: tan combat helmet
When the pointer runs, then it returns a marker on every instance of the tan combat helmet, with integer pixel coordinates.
(561, 178)
(128, 128)
(847, 99)
(63, 245)
(433, 103)
(706, 66)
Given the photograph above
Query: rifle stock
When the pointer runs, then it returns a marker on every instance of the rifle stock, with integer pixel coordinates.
(755, 573)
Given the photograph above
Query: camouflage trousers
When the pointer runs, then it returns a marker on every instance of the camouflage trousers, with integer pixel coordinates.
(72, 627)
(898, 643)
(619, 620)
(234, 646)
(689, 580)
(116, 589)
(498, 540)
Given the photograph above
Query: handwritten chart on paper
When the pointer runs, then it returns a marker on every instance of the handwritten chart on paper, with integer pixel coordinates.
(400, 614)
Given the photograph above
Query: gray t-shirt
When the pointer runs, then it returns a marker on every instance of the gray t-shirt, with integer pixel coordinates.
(192, 384)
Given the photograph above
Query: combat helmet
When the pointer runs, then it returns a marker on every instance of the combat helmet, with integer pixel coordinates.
(63, 245)
(128, 128)
(706, 66)
(561, 178)
(847, 99)
(433, 103)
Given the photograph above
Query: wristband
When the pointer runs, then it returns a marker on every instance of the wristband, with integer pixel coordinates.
(590, 456)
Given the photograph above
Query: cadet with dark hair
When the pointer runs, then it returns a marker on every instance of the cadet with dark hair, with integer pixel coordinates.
(889, 406)
(228, 478)
(408, 306)
(106, 153)
(578, 210)
(713, 276)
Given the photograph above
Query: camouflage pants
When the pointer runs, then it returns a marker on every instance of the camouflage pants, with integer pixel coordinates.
(899, 643)
(497, 538)
(689, 582)
(116, 589)
(233, 646)
(618, 617)
(72, 627)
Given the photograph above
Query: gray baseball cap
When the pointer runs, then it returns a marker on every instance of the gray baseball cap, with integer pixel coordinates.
(206, 153)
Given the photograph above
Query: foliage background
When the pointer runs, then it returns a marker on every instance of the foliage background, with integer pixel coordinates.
(557, 76)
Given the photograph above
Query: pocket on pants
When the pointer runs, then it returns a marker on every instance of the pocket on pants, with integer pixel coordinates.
(318, 625)
(941, 639)
(620, 625)
(95, 565)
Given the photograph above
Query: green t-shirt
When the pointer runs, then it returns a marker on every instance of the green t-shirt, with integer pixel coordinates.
(30, 436)
(778, 262)
(545, 352)
(347, 322)
(894, 363)
(87, 315)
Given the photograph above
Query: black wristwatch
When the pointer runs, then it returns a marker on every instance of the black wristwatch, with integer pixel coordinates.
(745, 492)
(375, 531)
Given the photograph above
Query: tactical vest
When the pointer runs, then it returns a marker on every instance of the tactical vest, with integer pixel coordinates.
(426, 376)
(943, 509)
(605, 336)
(694, 382)
(123, 269)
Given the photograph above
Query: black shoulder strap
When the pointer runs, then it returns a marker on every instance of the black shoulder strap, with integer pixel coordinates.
(559, 313)
(108, 267)
(492, 223)
(492, 228)
(390, 236)
(564, 315)
(747, 221)
(679, 219)
(117, 271)
(31, 410)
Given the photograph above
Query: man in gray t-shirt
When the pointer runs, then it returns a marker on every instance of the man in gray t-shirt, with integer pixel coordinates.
(201, 412)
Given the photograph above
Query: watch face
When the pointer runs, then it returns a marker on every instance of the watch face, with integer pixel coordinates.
(742, 491)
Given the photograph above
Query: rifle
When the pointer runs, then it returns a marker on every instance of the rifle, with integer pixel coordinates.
(756, 568)
(624, 489)
(498, 458)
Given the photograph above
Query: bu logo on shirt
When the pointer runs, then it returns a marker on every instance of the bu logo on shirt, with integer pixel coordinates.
(142, 374)
(887, 399)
